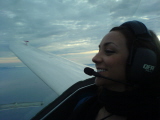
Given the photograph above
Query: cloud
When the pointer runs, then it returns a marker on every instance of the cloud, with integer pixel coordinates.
(9, 60)
(82, 57)
(60, 26)
(88, 52)
(56, 45)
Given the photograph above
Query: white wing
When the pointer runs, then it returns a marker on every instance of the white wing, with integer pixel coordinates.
(57, 72)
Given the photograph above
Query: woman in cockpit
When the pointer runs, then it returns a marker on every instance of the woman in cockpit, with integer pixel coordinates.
(130, 54)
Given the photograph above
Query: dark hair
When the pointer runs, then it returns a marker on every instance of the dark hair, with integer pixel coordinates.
(129, 35)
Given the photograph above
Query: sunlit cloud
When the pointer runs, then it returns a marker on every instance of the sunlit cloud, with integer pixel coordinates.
(65, 45)
(70, 24)
(81, 57)
(9, 60)
(158, 37)
(145, 17)
(80, 53)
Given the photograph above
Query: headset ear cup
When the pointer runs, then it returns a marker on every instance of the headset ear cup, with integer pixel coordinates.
(143, 66)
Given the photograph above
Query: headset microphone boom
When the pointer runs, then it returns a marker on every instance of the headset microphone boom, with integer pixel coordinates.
(90, 71)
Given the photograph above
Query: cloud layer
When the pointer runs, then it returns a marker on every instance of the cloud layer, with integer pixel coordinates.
(69, 26)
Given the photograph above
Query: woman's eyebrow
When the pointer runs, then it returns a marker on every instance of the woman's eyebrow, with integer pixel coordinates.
(108, 43)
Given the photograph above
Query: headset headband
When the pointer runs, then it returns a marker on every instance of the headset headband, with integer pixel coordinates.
(138, 28)
(141, 33)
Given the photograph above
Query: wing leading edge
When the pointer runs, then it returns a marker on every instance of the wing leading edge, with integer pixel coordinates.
(57, 72)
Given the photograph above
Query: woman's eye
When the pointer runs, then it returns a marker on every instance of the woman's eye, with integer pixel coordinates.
(109, 51)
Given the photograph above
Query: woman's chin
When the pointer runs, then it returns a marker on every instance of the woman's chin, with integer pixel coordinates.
(110, 84)
(100, 81)
(104, 82)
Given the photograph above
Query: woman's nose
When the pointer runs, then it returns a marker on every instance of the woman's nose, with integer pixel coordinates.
(97, 58)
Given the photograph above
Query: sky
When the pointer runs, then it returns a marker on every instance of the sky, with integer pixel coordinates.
(69, 28)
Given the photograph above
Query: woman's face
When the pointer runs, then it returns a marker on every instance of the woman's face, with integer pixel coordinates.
(111, 61)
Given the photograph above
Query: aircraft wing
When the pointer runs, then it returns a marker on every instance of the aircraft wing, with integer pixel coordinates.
(57, 72)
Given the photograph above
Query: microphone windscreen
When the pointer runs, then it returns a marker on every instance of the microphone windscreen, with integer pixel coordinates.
(89, 71)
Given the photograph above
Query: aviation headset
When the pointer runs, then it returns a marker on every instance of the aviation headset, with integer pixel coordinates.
(142, 61)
